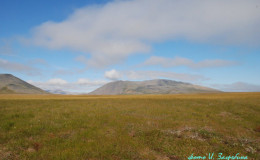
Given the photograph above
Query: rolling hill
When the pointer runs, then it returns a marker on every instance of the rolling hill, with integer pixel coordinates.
(158, 86)
(10, 84)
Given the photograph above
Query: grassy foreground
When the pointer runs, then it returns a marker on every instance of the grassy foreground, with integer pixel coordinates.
(50, 127)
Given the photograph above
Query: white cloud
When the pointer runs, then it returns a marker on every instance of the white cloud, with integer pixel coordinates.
(147, 75)
(111, 32)
(83, 81)
(18, 67)
(57, 81)
(112, 75)
(180, 61)
(80, 86)
(238, 87)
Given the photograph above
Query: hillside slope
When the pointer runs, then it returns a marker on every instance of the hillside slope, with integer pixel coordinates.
(10, 84)
(159, 86)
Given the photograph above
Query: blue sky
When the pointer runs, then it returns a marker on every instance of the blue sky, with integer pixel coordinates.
(79, 45)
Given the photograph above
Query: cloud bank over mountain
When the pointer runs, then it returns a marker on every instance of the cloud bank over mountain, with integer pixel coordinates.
(238, 87)
(18, 67)
(112, 74)
(82, 85)
(180, 61)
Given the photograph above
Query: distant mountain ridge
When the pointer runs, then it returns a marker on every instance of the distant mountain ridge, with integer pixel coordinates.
(10, 84)
(57, 91)
(158, 86)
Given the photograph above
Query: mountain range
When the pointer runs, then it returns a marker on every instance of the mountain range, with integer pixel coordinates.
(10, 84)
(158, 86)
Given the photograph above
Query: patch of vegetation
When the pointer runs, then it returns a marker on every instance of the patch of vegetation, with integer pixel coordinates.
(129, 127)
(6, 90)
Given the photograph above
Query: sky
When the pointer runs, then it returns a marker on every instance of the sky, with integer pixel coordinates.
(77, 46)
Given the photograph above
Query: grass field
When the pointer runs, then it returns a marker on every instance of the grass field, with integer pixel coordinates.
(53, 127)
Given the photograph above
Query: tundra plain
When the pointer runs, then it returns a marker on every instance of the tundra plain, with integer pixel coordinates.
(143, 127)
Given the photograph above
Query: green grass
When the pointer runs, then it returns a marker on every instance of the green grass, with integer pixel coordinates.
(49, 127)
